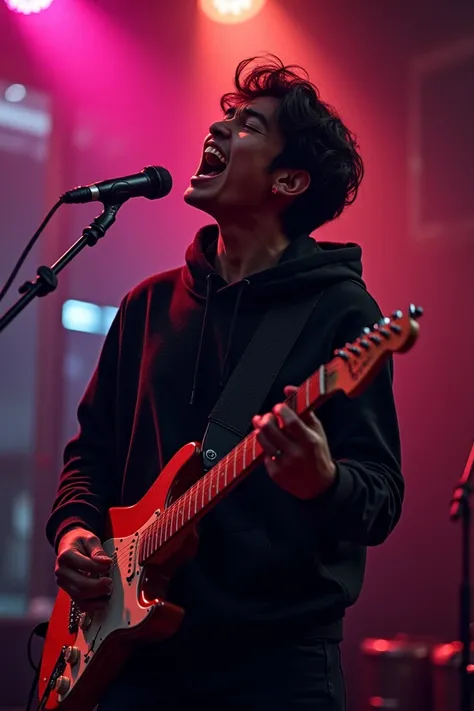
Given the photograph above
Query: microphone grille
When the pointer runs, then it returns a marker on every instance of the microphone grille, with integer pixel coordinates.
(161, 181)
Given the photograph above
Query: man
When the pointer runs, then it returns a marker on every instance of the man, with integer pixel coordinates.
(282, 557)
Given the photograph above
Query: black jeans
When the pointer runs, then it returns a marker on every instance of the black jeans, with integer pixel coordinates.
(277, 677)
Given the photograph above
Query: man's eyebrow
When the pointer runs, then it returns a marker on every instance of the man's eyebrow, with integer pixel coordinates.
(248, 111)
(260, 117)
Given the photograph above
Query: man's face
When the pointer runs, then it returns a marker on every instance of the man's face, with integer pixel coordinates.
(233, 173)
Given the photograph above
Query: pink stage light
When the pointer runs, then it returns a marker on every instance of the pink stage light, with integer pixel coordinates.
(26, 7)
(231, 11)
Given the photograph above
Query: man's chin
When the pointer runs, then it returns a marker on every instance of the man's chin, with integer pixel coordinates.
(198, 197)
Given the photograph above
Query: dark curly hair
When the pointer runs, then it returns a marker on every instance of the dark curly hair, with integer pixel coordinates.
(315, 137)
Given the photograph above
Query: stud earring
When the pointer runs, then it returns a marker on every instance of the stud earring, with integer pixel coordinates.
(274, 191)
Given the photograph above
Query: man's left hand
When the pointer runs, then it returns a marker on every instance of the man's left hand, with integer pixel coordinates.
(297, 455)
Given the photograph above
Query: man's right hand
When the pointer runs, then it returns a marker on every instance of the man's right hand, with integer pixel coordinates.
(82, 568)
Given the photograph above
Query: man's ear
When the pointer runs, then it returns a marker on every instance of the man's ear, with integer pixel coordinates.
(291, 183)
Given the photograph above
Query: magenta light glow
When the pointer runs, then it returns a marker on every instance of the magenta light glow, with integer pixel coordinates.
(26, 7)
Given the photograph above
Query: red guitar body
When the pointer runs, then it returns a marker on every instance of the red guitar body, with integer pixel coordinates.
(83, 655)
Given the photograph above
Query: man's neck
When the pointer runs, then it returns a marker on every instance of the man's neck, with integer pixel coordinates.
(241, 252)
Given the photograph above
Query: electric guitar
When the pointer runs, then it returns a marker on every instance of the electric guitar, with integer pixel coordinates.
(147, 542)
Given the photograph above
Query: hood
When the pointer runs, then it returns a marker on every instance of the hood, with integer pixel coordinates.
(306, 265)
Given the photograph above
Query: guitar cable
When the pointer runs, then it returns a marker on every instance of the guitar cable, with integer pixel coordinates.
(40, 631)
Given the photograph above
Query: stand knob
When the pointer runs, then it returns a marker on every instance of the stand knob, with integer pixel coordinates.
(71, 655)
(62, 685)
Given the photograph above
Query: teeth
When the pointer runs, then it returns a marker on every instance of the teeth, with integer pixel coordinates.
(216, 152)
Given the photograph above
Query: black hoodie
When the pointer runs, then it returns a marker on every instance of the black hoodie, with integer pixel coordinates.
(264, 556)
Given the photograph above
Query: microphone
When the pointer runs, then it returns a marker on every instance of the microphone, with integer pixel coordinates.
(153, 182)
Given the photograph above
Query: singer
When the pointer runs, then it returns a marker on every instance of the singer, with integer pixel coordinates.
(282, 557)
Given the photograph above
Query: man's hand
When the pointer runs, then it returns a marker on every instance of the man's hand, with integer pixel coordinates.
(297, 452)
(81, 569)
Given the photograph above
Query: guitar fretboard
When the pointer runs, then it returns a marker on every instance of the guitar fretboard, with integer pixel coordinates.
(218, 481)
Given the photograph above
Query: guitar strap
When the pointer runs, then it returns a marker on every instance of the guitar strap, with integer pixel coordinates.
(253, 377)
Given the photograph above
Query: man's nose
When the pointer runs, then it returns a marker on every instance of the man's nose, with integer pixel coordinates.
(220, 128)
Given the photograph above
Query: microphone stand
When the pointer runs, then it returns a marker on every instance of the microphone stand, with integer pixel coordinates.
(47, 280)
(461, 509)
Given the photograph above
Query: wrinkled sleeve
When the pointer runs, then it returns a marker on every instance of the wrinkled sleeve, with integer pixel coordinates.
(364, 504)
(89, 473)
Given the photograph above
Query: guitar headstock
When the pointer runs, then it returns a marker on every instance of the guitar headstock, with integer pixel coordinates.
(359, 361)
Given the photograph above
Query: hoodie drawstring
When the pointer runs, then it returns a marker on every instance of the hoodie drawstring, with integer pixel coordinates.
(243, 284)
(201, 337)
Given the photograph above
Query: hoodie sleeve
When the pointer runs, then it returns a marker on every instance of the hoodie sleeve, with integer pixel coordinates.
(89, 474)
(364, 504)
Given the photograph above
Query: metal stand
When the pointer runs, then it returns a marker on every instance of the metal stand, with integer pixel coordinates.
(461, 509)
(46, 280)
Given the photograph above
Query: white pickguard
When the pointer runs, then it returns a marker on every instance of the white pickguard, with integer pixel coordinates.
(123, 611)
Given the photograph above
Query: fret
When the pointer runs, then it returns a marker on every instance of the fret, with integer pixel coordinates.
(307, 392)
(190, 498)
(173, 524)
(161, 529)
(322, 380)
(243, 447)
(202, 498)
(218, 478)
(210, 475)
(311, 389)
(167, 522)
(225, 473)
(235, 461)
(154, 535)
(254, 439)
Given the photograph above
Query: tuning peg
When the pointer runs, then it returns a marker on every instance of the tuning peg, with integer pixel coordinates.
(341, 354)
(416, 311)
(384, 321)
(364, 343)
(354, 349)
(397, 314)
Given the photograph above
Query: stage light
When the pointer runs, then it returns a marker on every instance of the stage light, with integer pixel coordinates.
(231, 11)
(26, 7)
(86, 317)
(15, 93)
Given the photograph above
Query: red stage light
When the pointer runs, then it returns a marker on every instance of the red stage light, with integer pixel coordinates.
(231, 11)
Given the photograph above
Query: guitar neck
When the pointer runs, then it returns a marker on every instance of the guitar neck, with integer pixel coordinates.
(350, 371)
(231, 469)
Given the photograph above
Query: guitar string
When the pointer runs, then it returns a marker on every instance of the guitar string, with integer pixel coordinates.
(193, 493)
(196, 490)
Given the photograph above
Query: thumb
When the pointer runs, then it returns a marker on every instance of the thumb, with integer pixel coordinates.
(290, 390)
(94, 548)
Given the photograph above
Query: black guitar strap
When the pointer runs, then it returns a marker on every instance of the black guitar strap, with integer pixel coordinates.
(253, 377)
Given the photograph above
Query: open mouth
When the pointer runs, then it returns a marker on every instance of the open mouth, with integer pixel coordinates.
(213, 163)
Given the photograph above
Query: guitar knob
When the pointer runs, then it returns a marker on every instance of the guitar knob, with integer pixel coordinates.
(71, 655)
(62, 685)
(85, 621)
